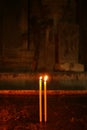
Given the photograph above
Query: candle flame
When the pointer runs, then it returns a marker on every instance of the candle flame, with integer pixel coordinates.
(45, 78)
(40, 77)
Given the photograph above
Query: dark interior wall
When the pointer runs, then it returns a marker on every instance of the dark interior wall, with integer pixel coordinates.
(1, 25)
(11, 17)
(82, 20)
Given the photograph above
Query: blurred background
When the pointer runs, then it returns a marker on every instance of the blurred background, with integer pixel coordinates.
(43, 35)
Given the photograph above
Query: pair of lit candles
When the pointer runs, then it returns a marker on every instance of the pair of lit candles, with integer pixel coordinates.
(45, 98)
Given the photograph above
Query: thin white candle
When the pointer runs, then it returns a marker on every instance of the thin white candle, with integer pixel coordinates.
(45, 99)
(40, 99)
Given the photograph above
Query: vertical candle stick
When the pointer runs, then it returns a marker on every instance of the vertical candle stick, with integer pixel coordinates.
(45, 99)
(40, 99)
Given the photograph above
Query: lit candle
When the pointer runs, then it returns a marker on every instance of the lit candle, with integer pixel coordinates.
(40, 98)
(45, 99)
